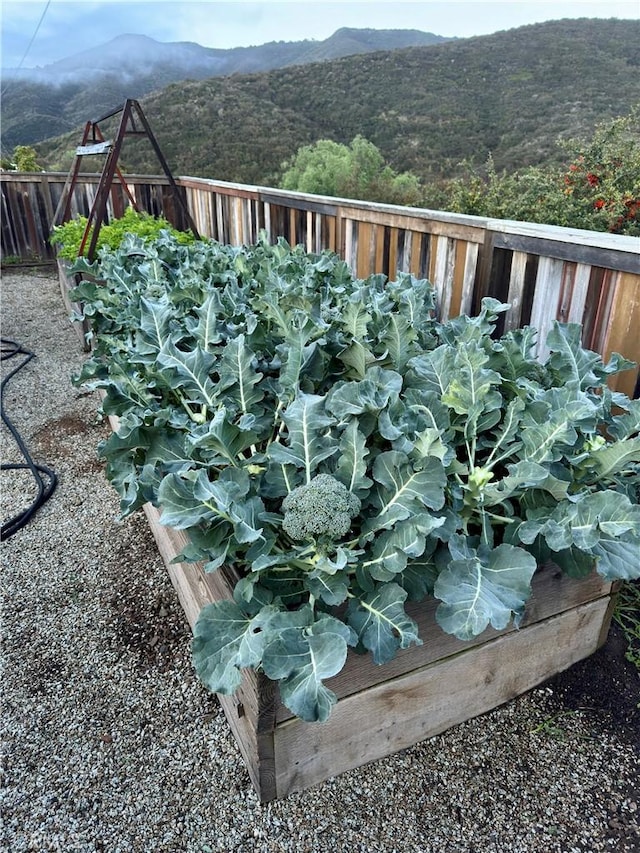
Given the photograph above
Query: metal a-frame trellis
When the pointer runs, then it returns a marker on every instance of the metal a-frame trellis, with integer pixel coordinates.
(133, 122)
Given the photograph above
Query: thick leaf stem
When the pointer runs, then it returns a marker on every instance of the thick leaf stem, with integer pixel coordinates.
(214, 509)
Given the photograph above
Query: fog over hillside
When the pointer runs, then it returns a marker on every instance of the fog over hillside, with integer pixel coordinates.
(138, 55)
(40, 103)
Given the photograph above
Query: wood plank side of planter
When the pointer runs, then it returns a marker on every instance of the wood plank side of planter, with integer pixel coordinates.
(381, 720)
(250, 711)
(422, 692)
(553, 593)
(67, 284)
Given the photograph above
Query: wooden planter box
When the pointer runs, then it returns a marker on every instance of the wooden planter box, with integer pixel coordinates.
(423, 691)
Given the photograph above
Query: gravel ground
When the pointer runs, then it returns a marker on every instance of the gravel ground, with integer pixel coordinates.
(110, 743)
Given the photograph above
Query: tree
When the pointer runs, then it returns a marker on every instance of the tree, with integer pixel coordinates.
(356, 171)
(23, 159)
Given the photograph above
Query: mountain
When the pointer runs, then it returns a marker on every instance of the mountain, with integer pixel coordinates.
(512, 94)
(42, 102)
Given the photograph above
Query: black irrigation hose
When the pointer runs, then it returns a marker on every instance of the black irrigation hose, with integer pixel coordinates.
(45, 478)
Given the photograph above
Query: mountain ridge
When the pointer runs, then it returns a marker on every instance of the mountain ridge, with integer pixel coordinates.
(44, 102)
(510, 95)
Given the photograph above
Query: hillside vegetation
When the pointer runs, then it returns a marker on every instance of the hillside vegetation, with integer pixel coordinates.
(46, 101)
(512, 94)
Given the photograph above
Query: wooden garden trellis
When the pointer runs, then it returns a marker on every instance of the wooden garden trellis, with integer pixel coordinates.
(133, 122)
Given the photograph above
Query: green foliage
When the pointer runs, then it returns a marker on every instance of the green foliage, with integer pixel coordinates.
(68, 236)
(603, 180)
(627, 615)
(598, 189)
(23, 159)
(245, 378)
(426, 109)
(354, 171)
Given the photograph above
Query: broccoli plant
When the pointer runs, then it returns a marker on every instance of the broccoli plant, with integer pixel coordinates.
(345, 451)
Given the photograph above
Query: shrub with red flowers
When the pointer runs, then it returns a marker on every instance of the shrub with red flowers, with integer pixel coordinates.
(603, 181)
(599, 188)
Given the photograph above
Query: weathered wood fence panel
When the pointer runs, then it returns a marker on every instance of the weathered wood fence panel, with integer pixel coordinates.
(544, 272)
(30, 202)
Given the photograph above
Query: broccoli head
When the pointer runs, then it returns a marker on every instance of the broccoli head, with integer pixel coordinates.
(322, 507)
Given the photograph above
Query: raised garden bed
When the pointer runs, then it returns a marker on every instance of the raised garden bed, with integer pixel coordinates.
(378, 481)
(422, 692)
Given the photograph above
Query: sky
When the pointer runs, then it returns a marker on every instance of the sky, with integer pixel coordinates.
(37, 32)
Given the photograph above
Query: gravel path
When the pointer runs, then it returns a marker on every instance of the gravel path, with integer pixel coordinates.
(110, 743)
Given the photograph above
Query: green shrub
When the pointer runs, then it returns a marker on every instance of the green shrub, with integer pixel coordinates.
(354, 171)
(68, 236)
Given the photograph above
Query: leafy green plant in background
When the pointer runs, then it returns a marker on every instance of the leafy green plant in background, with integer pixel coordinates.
(343, 451)
(356, 170)
(23, 159)
(68, 236)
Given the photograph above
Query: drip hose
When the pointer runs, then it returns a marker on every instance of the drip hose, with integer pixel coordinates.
(45, 478)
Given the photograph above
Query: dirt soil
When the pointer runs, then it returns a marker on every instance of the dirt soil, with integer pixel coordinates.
(607, 684)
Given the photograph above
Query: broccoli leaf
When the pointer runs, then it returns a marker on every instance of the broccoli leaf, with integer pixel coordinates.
(433, 371)
(155, 317)
(569, 359)
(331, 588)
(307, 441)
(404, 491)
(371, 394)
(547, 441)
(352, 464)
(221, 442)
(604, 524)
(300, 658)
(399, 337)
(192, 369)
(226, 639)
(610, 459)
(627, 424)
(192, 498)
(238, 376)
(206, 326)
(295, 353)
(478, 588)
(381, 623)
(471, 390)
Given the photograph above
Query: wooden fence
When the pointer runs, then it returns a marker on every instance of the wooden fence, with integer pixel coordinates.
(544, 272)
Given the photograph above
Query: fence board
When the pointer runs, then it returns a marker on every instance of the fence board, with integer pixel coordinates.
(469, 279)
(580, 290)
(443, 280)
(623, 328)
(516, 290)
(545, 303)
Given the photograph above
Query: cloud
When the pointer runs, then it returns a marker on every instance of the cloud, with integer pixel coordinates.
(71, 26)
